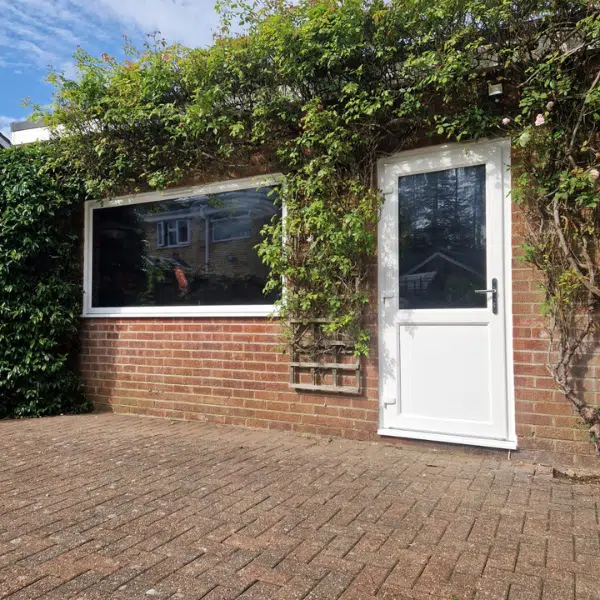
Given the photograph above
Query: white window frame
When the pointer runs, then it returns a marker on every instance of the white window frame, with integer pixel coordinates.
(162, 233)
(213, 222)
(257, 310)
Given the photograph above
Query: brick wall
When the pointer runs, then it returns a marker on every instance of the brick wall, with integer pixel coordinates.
(221, 370)
(547, 426)
(232, 371)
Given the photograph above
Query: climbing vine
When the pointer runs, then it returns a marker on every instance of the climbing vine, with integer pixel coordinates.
(319, 90)
(560, 191)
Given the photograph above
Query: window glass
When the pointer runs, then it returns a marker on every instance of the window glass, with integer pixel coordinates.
(190, 251)
(172, 233)
(442, 239)
(182, 232)
(232, 228)
(160, 234)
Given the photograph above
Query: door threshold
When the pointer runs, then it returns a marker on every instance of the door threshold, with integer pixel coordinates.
(450, 439)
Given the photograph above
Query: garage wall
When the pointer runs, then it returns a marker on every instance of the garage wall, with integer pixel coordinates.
(547, 425)
(232, 371)
(220, 370)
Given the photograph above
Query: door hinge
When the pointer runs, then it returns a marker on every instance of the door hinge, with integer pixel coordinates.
(388, 294)
(387, 403)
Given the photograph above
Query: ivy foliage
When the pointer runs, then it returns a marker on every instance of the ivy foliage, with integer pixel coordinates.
(319, 90)
(40, 294)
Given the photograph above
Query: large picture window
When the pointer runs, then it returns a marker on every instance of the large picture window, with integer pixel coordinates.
(186, 252)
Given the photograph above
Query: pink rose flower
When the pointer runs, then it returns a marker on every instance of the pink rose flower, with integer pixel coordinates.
(505, 121)
(550, 105)
(539, 120)
(594, 174)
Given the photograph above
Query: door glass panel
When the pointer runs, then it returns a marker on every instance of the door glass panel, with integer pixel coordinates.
(442, 239)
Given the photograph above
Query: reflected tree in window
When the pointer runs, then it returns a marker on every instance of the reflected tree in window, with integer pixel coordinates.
(442, 239)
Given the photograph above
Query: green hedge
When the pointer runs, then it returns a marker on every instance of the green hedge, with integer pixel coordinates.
(40, 291)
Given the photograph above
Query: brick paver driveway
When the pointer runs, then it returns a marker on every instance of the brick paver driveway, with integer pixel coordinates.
(105, 506)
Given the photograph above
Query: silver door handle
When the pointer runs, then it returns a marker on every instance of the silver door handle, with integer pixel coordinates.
(494, 292)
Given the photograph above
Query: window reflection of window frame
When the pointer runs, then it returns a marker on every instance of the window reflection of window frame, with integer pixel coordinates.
(247, 235)
(172, 310)
(163, 230)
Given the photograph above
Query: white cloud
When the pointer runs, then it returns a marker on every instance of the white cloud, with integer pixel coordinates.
(190, 23)
(69, 69)
(37, 33)
(5, 124)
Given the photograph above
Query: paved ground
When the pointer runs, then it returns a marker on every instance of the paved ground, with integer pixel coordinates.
(105, 506)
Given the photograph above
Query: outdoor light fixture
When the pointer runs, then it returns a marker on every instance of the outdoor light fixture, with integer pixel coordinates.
(494, 89)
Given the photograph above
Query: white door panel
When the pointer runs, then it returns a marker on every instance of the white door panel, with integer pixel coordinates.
(444, 371)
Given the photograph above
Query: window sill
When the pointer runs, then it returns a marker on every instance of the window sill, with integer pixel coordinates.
(215, 241)
(259, 310)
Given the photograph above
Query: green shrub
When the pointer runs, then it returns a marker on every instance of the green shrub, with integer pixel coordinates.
(40, 292)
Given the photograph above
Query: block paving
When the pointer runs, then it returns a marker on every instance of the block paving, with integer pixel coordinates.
(112, 506)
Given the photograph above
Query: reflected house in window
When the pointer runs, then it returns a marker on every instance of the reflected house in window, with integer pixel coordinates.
(438, 272)
(195, 250)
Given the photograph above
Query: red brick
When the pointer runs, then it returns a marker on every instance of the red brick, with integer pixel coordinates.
(230, 370)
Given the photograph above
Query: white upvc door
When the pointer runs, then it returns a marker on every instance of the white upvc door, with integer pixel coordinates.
(444, 295)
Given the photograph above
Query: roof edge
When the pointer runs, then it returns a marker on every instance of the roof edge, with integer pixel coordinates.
(23, 125)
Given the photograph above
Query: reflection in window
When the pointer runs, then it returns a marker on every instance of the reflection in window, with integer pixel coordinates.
(442, 239)
(170, 234)
(232, 228)
(190, 251)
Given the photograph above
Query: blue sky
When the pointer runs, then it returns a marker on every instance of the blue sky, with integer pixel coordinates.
(38, 33)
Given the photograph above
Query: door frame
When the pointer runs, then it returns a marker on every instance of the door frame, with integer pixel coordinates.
(455, 150)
